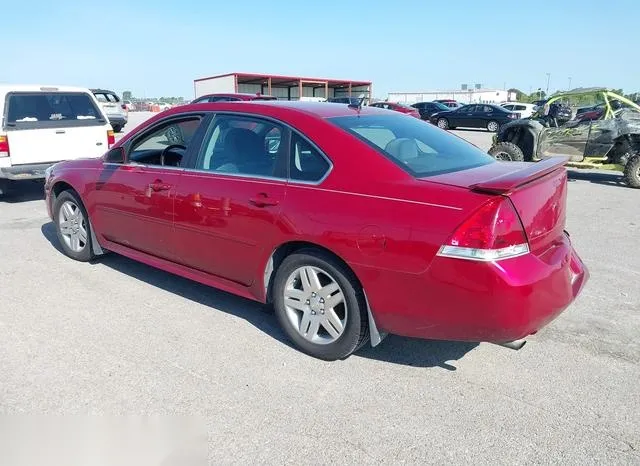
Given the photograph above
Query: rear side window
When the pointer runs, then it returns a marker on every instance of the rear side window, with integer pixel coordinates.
(307, 164)
(418, 148)
(106, 97)
(51, 110)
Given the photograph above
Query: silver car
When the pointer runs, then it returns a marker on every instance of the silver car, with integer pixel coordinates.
(113, 107)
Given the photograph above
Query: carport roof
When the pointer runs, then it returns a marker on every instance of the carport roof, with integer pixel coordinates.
(279, 80)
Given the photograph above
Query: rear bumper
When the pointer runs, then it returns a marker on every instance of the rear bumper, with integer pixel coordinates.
(117, 120)
(24, 172)
(479, 301)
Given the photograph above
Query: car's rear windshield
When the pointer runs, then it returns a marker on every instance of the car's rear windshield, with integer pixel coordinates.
(415, 145)
(27, 110)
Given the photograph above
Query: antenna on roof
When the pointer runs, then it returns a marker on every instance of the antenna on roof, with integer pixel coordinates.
(358, 106)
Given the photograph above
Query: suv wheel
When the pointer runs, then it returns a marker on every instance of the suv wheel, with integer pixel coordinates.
(506, 151)
(632, 170)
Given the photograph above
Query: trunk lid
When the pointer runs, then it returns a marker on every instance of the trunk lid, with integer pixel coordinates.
(538, 191)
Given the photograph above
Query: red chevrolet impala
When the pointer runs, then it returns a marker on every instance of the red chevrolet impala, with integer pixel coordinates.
(353, 222)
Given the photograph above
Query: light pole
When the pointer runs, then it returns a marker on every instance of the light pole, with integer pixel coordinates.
(569, 82)
(548, 79)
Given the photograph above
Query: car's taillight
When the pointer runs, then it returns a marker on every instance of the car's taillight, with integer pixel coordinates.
(513, 116)
(491, 233)
(111, 138)
(124, 107)
(4, 146)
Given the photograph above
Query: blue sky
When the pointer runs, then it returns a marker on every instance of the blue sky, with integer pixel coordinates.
(156, 48)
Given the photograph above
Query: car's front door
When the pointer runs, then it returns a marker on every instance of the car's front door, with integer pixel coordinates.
(462, 116)
(132, 203)
(569, 139)
(229, 202)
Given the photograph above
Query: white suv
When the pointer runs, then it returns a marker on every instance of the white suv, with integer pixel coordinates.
(42, 125)
(525, 110)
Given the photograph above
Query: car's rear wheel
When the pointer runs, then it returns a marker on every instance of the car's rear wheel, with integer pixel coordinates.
(632, 171)
(443, 123)
(72, 227)
(506, 151)
(320, 305)
(493, 126)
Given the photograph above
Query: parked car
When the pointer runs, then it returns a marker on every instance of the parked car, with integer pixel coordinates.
(162, 106)
(130, 106)
(607, 137)
(525, 110)
(42, 125)
(231, 97)
(451, 103)
(426, 109)
(433, 238)
(397, 107)
(345, 100)
(111, 105)
(486, 116)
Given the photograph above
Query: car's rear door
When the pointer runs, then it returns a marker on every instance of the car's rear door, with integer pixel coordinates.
(132, 204)
(228, 203)
(51, 126)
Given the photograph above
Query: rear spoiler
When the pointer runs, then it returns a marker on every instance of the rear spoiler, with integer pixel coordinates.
(511, 181)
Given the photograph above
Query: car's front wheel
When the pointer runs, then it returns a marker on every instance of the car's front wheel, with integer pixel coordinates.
(443, 123)
(72, 227)
(320, 305)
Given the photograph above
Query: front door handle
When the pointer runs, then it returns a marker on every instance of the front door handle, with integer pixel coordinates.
(158, 185)
(263, 200)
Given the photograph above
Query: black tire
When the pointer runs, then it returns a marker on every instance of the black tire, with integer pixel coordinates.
(506, 151)
(85, 254)
(356, 328)
(493, 124)
(117, 128)
(632, 171)
(5, 187)
(442, 123)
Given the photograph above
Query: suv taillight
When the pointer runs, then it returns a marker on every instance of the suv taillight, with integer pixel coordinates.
(124, 106)
(4, 146)
(491, 233)
(111, 138)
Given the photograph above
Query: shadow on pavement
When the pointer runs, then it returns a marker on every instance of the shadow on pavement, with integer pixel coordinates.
(607, 179)
(393, 349)
(24, 191)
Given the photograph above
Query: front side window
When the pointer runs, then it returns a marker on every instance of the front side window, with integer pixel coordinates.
(418, 148)
(51, 109)
(165, 144)
(244, 146)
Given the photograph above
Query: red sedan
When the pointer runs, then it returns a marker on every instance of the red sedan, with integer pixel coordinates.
(352, 222)
(397, 107)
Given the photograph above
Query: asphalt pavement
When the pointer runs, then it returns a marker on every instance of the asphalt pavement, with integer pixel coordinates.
(117, 338)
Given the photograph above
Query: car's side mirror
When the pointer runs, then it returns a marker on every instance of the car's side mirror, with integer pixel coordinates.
(115, 155)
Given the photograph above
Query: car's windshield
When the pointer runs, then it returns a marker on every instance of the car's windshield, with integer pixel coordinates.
(418, 147)
(441, 106)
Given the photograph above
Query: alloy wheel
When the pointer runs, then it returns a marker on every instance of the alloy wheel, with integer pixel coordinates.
(492, 126)
(315, 305)
(502, 156)
(73, 226)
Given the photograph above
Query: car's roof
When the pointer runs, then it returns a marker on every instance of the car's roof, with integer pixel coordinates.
(319, 109)
(102, 91)
(5, 88)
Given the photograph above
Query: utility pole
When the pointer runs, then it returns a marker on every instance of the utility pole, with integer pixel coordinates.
(569, 82)
(548, 79)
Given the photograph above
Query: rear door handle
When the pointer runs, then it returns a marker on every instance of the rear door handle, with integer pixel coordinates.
(60, 131)
(263, 200)
(159, 186)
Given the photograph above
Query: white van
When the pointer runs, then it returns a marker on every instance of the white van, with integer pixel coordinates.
(42, 125)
